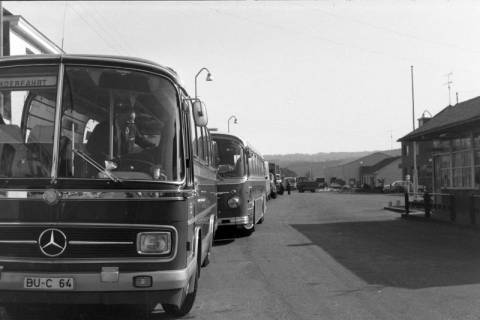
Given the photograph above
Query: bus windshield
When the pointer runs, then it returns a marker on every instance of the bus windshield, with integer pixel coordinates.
(115, 123)
(230, 158)
(27, 116)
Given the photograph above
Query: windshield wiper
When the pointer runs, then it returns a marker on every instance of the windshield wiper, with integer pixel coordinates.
(96, 165)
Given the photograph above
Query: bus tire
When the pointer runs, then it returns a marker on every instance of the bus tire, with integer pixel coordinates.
(263, 212)
(206, 261)
(187, 303)
(248, 230)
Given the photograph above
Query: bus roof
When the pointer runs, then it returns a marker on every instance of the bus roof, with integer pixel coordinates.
(231, 136)
(103, 60)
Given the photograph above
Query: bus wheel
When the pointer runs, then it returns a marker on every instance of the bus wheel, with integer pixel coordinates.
(187, 303)
(263, 212)
(247, 229)
(206, 261)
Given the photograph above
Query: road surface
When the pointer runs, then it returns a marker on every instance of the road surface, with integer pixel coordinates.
(330, 255)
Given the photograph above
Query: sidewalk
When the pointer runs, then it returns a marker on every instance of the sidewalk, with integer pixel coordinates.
(414, 212)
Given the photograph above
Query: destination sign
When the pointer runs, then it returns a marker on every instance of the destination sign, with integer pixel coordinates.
(16, 83)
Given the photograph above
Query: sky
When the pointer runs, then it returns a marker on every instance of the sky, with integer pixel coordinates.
(300, 76)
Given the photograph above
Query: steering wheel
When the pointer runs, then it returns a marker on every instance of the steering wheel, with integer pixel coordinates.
(142, 165)
(133, 164)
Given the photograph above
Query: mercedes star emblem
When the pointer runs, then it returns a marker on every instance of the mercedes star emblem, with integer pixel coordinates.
(52, 242)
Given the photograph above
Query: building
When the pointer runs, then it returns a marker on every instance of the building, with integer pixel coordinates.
(383, 173)
(448, 155)
(423, 150)
(362, 170)
(20, 37)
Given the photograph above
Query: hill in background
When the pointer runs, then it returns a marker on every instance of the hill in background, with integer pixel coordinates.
(316, 163)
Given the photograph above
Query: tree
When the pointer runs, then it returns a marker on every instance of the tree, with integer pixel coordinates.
(287, 172)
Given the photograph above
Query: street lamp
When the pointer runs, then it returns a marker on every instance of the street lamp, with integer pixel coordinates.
(209, 78)
(235, 121)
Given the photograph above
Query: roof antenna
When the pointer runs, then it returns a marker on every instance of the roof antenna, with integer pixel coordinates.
(449, 85)
(64, 18)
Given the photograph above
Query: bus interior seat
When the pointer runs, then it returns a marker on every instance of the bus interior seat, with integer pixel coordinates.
(10, 142)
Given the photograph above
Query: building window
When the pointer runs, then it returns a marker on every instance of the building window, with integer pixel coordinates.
(459, 166)
(462, 169)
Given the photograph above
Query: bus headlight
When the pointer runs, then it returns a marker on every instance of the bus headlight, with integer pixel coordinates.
(234, 202)
(154, 242)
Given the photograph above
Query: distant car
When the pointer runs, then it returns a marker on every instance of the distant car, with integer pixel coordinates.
(321, 182)
(401, 186)
(335, 186)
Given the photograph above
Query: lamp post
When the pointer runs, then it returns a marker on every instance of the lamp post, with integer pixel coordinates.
(235, 121)
(209, 78)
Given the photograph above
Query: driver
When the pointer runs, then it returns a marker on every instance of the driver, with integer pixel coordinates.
(131, 135)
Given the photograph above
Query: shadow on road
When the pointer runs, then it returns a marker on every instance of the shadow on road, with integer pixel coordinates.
(401, 253)
(89, 312)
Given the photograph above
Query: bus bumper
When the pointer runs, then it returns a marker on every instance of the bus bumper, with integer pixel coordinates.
(235, 221)
(167, 287)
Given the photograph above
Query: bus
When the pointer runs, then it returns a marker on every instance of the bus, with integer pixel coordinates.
(241, 186)
(107, 184)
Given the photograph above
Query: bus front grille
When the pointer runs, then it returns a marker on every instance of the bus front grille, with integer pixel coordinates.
(79, 242)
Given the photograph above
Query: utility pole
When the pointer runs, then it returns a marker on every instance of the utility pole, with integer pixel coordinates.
(1, 54)
(1, 29)
(449, 86)
(456, 93)
(414, 173)
(391, 140)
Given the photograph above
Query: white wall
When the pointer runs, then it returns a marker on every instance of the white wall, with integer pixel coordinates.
(18, 45)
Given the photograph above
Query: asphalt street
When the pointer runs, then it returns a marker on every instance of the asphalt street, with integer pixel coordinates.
(330, 255)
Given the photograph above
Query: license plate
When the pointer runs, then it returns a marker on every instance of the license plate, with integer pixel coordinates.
(48, 283)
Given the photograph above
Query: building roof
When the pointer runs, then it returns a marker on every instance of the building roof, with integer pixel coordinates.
(27, 31)
(379, 165)
(389, 153)
(452, 116)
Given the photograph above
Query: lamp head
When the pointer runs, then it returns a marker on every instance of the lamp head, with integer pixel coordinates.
(209, 77)
(235, 120)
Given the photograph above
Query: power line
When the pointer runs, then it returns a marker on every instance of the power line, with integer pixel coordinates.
(94, 29)
(111, 32)
(63, 24)
(322, 38)
(393, 31)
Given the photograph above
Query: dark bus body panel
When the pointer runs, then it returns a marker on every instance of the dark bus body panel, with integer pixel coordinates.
(102, 217)
(248, 185)
(225, 192)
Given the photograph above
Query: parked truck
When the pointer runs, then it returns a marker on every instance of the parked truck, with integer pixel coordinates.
(304, 183)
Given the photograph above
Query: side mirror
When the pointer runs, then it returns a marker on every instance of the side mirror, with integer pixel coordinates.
(200, 113)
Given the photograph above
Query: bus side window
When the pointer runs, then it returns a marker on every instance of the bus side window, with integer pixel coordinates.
(201, 153)
(206, 145)
(215, 157)
(193, 132)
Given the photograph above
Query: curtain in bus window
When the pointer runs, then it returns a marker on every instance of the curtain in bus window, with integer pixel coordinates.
(27, 115)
